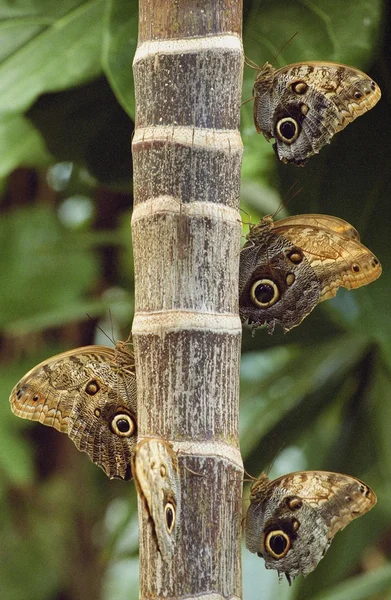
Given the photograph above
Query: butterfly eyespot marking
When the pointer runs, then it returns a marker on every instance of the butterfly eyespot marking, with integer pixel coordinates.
(97, 412)
(169, 513)
(122, 425)
(264, 293)
(356, 268)
(295, 256)
(92, 387)
(373, 86)
(294, 502)
(290, 279)
(35, 398)
(304, 109)
(348, 499)
(287, 130)
(295, 524)
(299, 87)
(357, 95)
(163, 470)
(277, 543)
(375, 262)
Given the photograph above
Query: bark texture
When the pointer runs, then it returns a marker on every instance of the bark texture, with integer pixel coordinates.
(186, 235)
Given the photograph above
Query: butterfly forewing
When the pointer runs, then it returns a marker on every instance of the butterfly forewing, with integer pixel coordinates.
(90, 394)
(291, 520)
(288, 267)
(303, 105)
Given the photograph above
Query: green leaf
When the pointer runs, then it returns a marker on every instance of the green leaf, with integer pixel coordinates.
(64, 54)
(20, 144)
(21, 21)
(119, 46)
(324, 30)
(44, 267)
(361, 587)
(297, 381)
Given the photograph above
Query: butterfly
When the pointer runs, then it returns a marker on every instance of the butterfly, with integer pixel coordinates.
(156, 474)
(303, 105)
(292, 520)
(90, 394)
(288, 267)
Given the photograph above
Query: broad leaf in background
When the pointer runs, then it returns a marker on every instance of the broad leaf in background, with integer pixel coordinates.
(20, 144)
(34, 244)
(65, 53)
(119, 46)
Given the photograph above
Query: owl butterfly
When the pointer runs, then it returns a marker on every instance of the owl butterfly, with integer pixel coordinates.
(90, 394)
(304, 104)
(288, 267)
(156, 474)
(291, 520)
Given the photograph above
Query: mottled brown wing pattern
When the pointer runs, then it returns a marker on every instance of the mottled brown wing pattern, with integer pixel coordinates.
(288, 267)
(303, 105)
(90, 394)
(291, 520)
(156, 474)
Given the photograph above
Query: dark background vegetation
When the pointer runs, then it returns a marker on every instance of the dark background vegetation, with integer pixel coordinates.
(317, 398)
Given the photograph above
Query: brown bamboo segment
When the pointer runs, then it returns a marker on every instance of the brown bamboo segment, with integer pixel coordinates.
(186, 235)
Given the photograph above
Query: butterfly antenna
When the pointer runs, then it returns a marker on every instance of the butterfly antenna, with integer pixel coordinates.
(267, 471)
(194, 472)
(250, 477)
(247, 101)
(292, 192)
(284, 45)
(111, 324)
(250, 63)
(102, 330)
(289, 196)
(247, 214)
(253, 65)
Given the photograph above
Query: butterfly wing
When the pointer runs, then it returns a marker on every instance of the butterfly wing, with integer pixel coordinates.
(88, 395)
(338, 259)
(338, 498)
(291, 520)
(308, 103)
(321, 222)
(155, 470)
(276, 282)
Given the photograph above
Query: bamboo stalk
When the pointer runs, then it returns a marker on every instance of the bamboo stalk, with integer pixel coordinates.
(186, 234)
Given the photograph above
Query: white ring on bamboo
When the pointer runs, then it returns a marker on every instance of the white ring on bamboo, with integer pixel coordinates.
(166, 321)
(211, 596)
(207, 448)
(171, 205)
(228, 140)
(188, 46)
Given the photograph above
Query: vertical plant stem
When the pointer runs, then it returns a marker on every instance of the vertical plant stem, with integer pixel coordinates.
(186, 230)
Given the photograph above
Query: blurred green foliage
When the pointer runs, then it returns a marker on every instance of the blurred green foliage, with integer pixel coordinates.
(316, 398)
